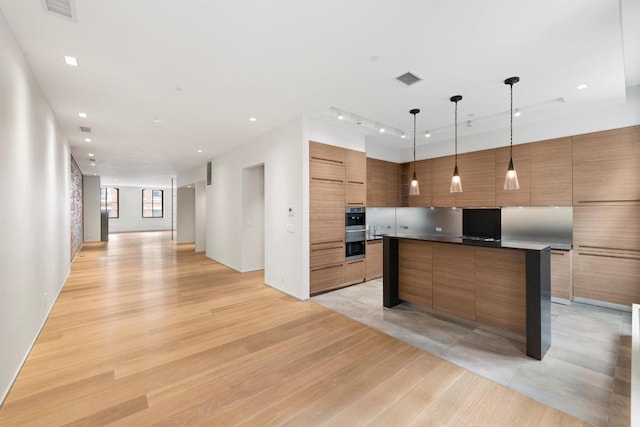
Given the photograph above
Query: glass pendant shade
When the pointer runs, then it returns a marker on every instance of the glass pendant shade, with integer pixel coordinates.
(511, 179)
(456, 183)
(414, 188)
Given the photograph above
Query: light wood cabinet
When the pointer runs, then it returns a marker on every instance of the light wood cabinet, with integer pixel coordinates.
(326, 211)
(325, 153)
(478, 175)
(415, 273)
(441, 173)
(356, 178)
(551, 172)
(562, 275)
(383, 187)
(325, 253)
(607, 227)
(501, 289)
(454, 279)
(423, 172)
(356, 271)
(327, 277)
(606, 166)
(374, 259)
(522, 163)
(607, 275)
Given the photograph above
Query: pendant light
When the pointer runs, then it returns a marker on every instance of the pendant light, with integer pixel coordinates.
(511, 179)
(414, 188)
(456, 183)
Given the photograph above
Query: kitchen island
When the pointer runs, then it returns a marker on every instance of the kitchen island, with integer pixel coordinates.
(502, 285)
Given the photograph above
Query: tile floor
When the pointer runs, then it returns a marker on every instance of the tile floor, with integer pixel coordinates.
(585, 372)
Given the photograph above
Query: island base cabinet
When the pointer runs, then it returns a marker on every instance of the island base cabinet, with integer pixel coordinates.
(501, 289)
(454, 280)
(415, 273)
(356, 271)
(610, 276)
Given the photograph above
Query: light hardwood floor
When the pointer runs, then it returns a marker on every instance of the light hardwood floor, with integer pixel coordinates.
(147, 332)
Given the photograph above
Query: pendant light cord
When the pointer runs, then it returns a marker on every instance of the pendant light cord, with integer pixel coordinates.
(414, 143)
(456, 132)
(511, 125)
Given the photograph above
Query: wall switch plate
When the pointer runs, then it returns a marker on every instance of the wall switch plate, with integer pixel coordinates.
(290, 211)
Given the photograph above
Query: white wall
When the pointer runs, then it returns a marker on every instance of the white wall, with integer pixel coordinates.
(131, 212)
(286, 254)
(335, 135)
(35, 208)
(584, 119)
(186, 215)
(91, 208)
(253, 218)
(201, 216)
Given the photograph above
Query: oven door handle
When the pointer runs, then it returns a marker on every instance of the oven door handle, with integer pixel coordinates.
(360, 230)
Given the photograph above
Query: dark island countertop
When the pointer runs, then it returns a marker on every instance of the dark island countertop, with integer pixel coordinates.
(485, 243)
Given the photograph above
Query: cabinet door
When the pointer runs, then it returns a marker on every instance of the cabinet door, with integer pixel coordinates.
(501, 289)
(478, 175)
(356, 194)
(606, 166)
(374, 259)
(606, 227)
(327, 277)
(326, 211)
(561, 275)
(454, 281)
(376, 183)
(326, 253)
(522, 163)
(610, 276)
(356, 271)
(327, 153)
(414, 272)
(441, 173)
(356, 167)
(551, 172)
(392, 184)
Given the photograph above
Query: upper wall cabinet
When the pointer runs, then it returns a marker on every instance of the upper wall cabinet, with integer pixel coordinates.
(551, 174)
(423, 173)
(522, 163)
(606, 166)
(356, 177)
(441, 173)
(478, 175)
(382, 183)
(326, 163)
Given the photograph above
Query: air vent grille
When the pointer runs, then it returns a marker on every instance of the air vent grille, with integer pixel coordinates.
(408, 79)
(64, 8)
(86, 129)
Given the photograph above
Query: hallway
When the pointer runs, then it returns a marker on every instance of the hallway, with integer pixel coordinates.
(148, 332)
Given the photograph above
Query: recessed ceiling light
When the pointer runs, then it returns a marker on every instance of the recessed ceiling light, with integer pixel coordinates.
(373, 58)
(403, 136)
(188, 186)
(87, 140)
(70, 60)
(381, 130)
(157, 121)
(517, 113)
(340, 117)
(95, 174)
(93, 164)
(427, 135)
(199, 151)
(83, 115)
(582, 86)
(252, 119)
(90, 154)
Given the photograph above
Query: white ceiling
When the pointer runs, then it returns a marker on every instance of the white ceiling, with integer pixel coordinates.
(277, 60)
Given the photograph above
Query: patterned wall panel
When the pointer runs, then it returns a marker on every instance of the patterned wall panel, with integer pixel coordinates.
(76, 208)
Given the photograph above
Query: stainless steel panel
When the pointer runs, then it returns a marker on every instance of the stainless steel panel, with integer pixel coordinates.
(551, 225)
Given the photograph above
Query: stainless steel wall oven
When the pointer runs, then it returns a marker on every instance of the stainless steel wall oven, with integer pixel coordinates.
(355, 230)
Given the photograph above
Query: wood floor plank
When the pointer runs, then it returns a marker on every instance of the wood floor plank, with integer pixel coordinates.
(147, 332)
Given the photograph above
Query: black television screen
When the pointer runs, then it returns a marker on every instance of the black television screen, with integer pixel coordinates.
(481, 223)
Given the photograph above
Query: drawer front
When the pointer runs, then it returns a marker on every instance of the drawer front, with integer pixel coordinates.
(610, 276)
(356, 271)
(327, 253)
(606, 227)
(561, 275)
(327, 277)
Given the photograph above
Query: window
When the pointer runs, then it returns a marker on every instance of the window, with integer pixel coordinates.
(152, 203)
(110, 201)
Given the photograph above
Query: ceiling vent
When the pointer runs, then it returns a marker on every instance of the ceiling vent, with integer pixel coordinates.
(63, 8)
(86, 129)
(408, 78)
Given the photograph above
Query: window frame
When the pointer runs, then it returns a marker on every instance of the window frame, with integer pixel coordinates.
(153, 204)
(104, 207)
